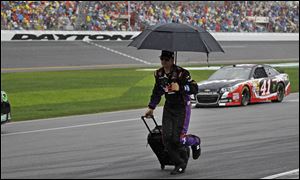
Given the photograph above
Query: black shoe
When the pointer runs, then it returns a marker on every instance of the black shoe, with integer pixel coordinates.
(196, 150)
(178, 170)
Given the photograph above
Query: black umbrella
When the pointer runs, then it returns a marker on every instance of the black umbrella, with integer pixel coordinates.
(176, 37)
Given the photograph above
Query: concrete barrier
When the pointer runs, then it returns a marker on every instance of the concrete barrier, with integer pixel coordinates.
(17, 35)
(256, 36)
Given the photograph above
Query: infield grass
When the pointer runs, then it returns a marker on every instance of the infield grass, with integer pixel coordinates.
(38, 95)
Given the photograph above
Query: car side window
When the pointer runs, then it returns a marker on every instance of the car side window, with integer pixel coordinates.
(260, 73)
(271, 71)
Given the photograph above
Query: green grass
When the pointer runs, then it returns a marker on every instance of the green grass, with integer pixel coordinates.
(37, 95)
(294, 78)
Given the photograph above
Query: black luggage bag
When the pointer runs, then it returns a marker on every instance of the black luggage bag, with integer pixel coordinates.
(156, 143)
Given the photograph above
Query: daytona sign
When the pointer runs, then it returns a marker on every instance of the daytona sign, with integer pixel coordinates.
(70, 37)
(66, 36)
(34, 35)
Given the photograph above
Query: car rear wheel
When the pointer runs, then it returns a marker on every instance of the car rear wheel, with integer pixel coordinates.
(280, 93)
(245, 96)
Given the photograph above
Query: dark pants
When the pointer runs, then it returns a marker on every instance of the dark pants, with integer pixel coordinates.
(175, 124)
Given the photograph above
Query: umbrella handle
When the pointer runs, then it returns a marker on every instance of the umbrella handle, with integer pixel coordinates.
(207, 59)
(175, 57)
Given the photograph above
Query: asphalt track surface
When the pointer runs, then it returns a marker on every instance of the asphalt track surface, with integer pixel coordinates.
(250, 142)
(238, 142)
(18, 56)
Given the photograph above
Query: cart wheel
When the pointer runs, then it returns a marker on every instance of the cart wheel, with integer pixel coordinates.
(162, 166)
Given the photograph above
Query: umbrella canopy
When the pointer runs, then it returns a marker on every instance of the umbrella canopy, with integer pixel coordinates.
(176, 37)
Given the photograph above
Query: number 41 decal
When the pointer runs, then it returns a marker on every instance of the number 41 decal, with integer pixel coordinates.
(265, 87)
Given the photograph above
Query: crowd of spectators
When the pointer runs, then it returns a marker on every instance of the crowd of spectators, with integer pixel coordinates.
(105, 15)
(227, 16)
(213, 16)
(38, 15)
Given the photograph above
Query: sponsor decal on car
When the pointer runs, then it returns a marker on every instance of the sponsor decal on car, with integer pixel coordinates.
(235, 96)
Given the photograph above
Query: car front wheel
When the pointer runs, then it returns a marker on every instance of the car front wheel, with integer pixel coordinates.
(245, 96)
(280, 93)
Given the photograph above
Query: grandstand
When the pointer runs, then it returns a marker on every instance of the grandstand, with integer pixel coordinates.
(214, 16)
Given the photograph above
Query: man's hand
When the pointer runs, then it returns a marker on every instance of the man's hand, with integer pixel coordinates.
(149, 113)
(174, 86)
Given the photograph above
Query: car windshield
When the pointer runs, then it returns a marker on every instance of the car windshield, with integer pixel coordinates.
(229, 73)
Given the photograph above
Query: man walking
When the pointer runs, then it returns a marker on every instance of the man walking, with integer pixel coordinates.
(176, 84)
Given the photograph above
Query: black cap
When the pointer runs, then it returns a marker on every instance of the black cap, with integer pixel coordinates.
(167, 54)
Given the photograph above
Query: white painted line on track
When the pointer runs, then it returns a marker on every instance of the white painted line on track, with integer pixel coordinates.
(218, 67)
(103, 113)
(282, 174)
(234, 46)
(79, 67)
(292, 100)
(117, 52)
(75, 116)
(69, 127)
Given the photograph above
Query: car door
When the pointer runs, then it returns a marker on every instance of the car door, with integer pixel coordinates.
(272, 73)
(264, 81)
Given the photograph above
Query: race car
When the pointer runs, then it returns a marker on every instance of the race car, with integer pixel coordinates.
(242, 84)
(5, 108)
